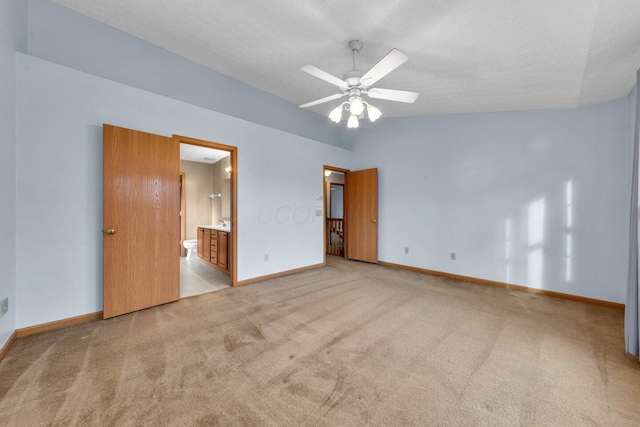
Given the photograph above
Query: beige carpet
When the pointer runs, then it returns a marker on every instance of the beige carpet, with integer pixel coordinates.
(349, 344)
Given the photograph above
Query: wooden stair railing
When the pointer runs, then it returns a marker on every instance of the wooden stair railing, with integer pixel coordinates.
(335, 236)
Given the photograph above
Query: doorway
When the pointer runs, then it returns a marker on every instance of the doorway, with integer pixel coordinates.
(141, 218)
(351, 213)
(334, 208)
(335, 232)
(215, 230)
(205, 194)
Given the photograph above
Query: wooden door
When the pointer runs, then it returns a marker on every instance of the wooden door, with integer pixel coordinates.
(141, 220)
(361, 215)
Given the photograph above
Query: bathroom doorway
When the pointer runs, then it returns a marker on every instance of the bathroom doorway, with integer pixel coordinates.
(208, 245)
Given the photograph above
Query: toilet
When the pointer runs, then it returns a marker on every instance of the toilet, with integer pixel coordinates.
(190, 246)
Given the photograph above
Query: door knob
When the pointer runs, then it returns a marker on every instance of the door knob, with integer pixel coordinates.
(111, 231)
(374, 220)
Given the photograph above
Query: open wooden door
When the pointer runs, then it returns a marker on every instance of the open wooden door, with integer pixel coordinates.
(141, 220)
(361, 215)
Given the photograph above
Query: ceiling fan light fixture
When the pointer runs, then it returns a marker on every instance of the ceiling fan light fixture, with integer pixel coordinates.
(355, 84)
(373, 113)
(356, 107)
(336, 114)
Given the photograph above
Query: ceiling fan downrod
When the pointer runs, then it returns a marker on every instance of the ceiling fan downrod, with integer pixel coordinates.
(355, 46)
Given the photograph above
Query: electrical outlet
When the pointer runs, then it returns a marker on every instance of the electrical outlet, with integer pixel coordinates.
(453, 256)
(4, 306)
(266, 257)
(406, 250)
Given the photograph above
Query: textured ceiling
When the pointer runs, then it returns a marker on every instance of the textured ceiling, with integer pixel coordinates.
(464, 55)
(195, 153)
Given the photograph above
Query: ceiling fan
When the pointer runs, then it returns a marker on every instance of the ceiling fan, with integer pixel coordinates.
(355, 84)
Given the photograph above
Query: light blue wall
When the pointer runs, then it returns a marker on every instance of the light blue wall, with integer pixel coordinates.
(469, 184)
(68, 38)
(60, 113)
(12, 38)
(447, 184)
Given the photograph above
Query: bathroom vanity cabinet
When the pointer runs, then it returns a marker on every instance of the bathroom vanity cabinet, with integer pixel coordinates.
(213, 248)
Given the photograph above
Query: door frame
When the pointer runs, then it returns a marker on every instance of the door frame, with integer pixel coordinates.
(183, 209)
(324, 210)
(234, 196)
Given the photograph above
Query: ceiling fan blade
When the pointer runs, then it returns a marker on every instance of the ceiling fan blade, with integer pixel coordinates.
(393, 95)
(317, 72)
(325, 99)
(390, 62)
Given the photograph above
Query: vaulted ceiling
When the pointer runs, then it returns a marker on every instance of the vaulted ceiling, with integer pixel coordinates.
(465, 56)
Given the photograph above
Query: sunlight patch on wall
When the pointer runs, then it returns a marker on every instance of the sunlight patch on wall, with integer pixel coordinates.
(534, 272)
(535, 230)
(568, 268)
(535, 239)
(508, 250)
(568, 203)
(568, 239)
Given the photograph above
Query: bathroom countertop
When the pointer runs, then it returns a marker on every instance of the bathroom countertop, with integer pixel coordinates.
(217, 227)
